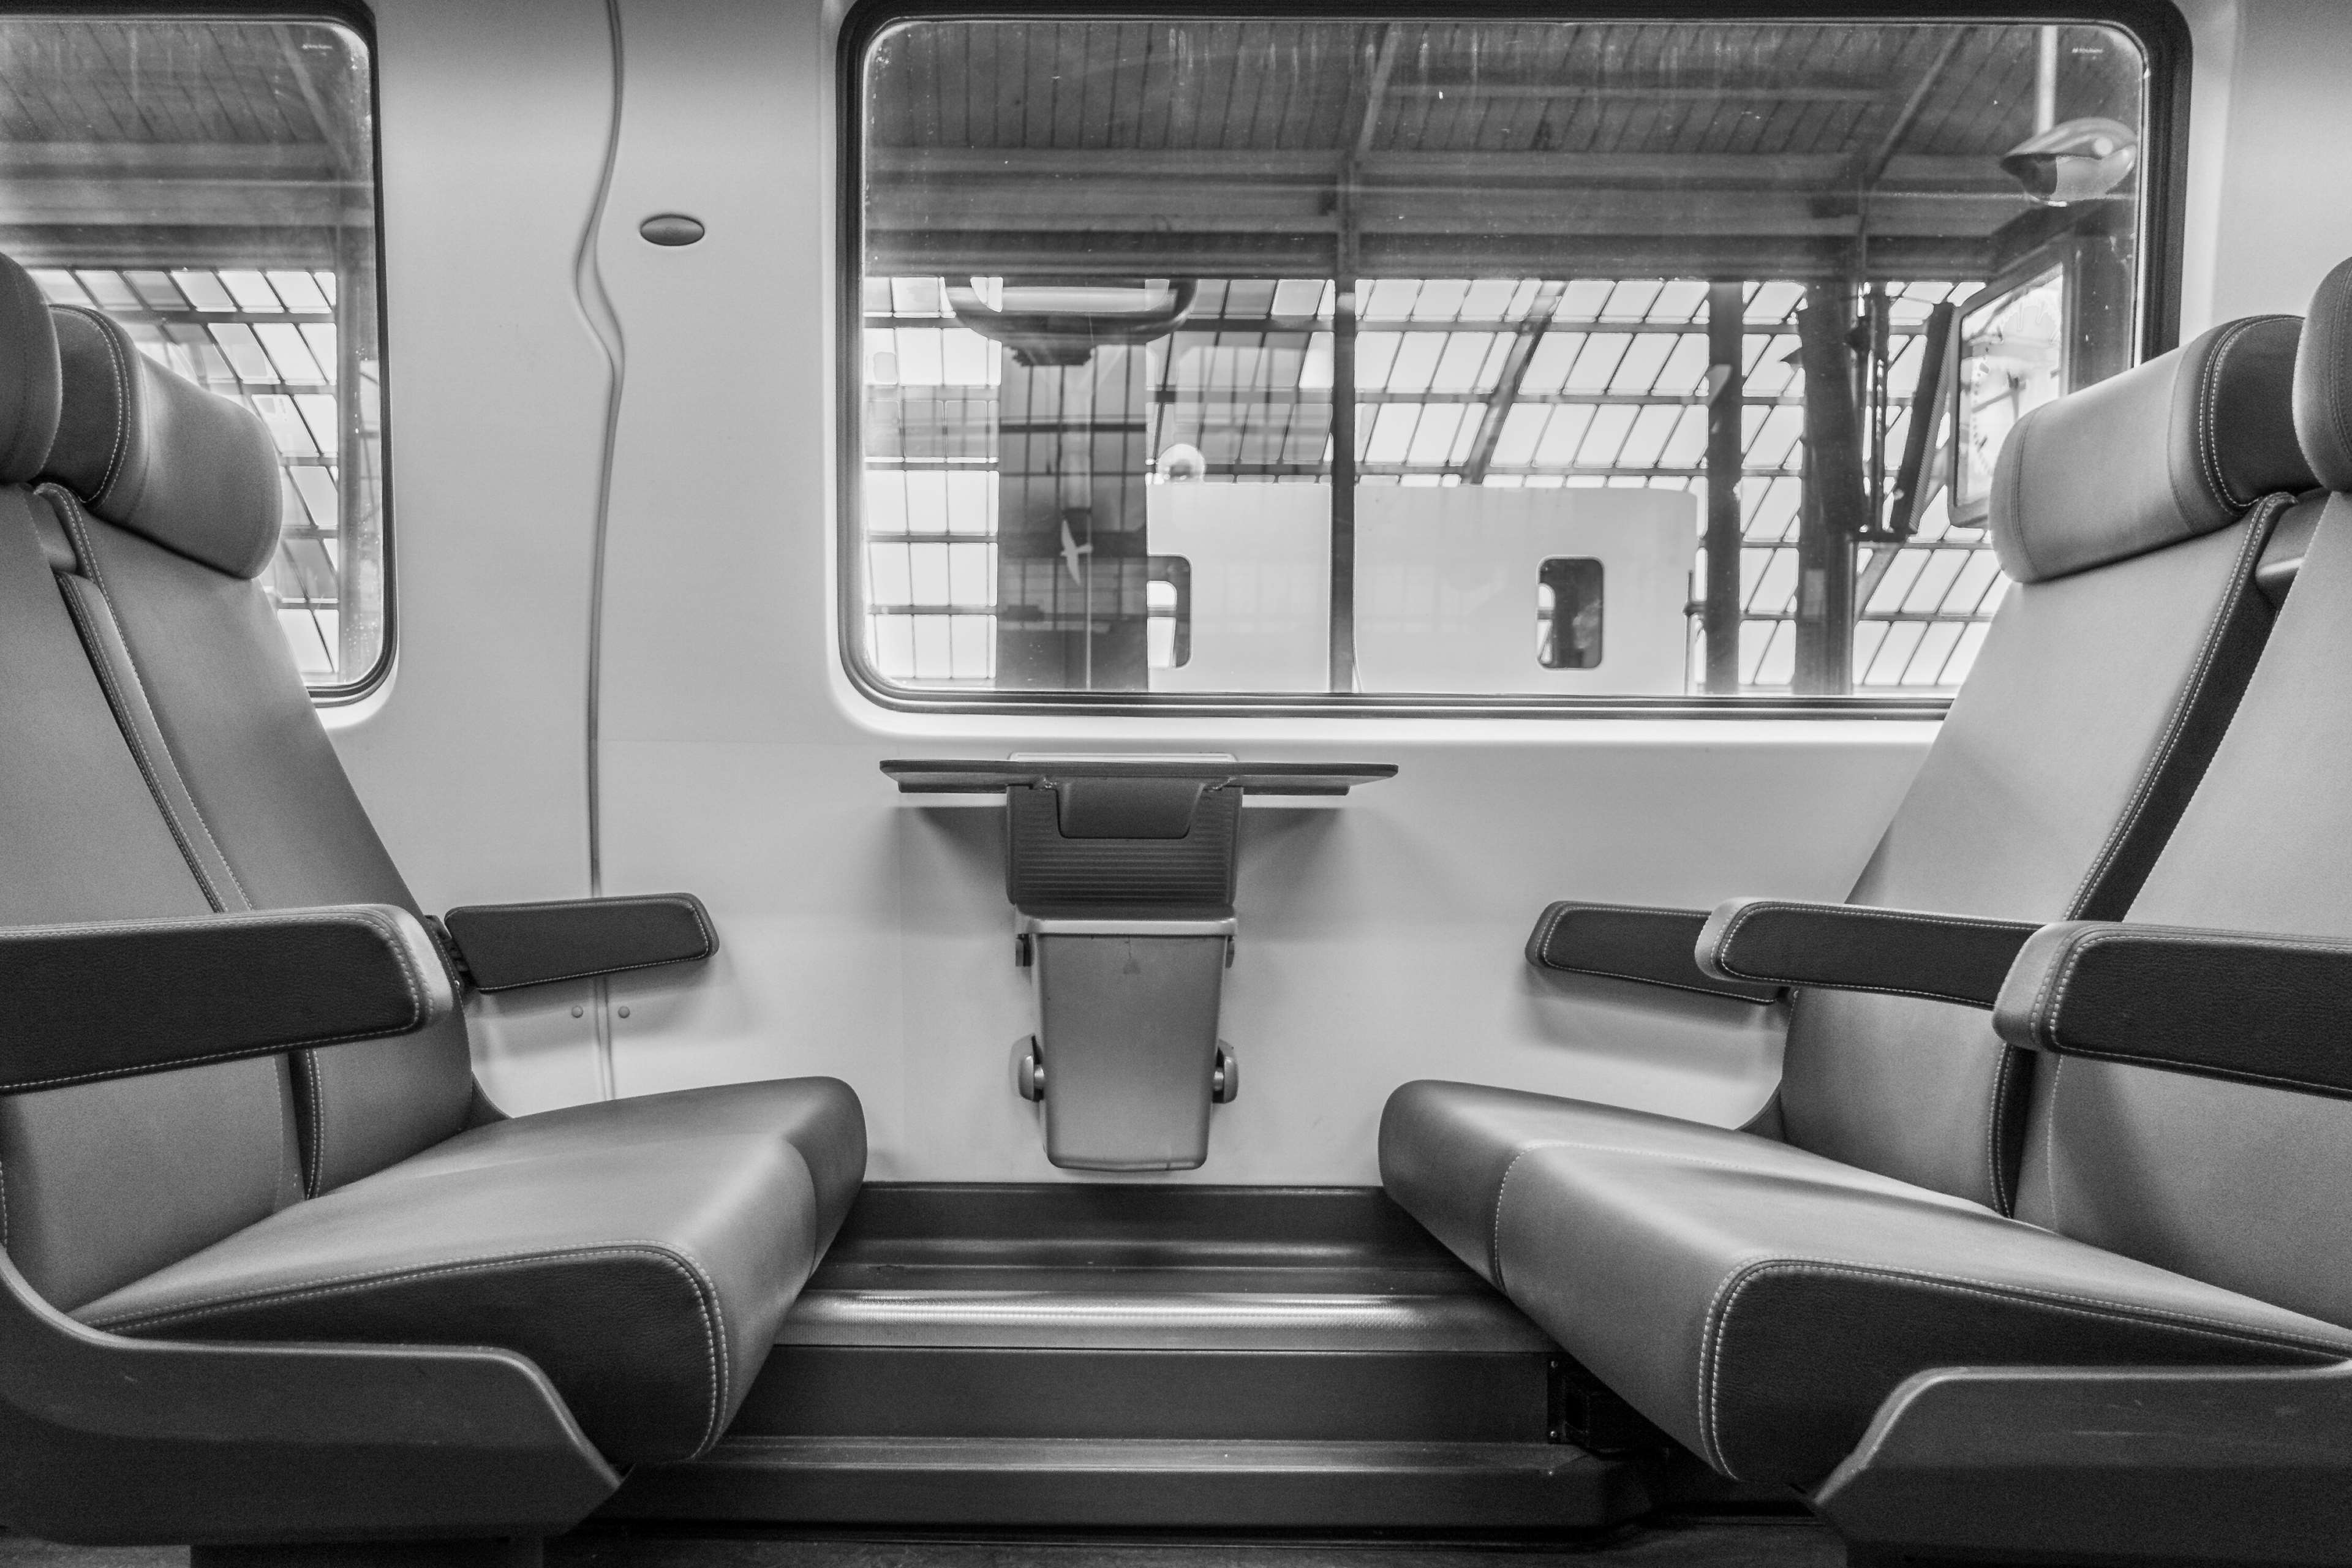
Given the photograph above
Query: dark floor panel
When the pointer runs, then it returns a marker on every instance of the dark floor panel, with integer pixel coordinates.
(1247, 1397)
(1792, 1544)
(1768, 1545)
(898, 1232)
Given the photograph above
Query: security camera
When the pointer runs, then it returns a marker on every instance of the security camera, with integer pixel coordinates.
(2073, 162)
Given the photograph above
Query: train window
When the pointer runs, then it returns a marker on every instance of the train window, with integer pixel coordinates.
(1568, 613)
(209, 182)
(1368, 323)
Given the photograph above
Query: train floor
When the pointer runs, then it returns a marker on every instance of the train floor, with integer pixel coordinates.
(1771, 1543)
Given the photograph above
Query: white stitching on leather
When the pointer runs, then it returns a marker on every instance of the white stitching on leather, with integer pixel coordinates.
(1993, 1162)
(2045, 1025)
(76, 524)
(1495, 1223)
(122, 395)
(713, 1322)
(314, 1178)
(2208, 415)
(2050, 1137)
(1495, 1239)
(2337, 409)
(411, 980)
(1865, 913)
(709, 937)
(2259, 523)
(103, 668)
(1727, 1296)
(1550, 925)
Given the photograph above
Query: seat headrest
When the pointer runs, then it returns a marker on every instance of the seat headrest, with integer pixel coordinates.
(2322, 381)
(2166, 451)
(149, 450)
(28, 384)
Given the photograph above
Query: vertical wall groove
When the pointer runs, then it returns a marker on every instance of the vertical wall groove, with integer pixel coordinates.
(604, 324)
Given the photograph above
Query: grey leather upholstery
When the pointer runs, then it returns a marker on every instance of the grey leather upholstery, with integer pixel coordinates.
(2083, 730)
(264, 792)
(2244, 1186)
(102, 1183)
(2065, 760)
(159, 758)
(641, 1251)
(1759, 1304)
(1448, 1151)
(30, 389)
(2075, 487)
(161, 456)
(1759, 1301)
(2323, 384)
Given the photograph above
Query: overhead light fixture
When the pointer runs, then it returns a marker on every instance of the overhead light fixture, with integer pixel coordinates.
(2072, 161)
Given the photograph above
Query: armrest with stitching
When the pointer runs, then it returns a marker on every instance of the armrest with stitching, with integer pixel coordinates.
(2273, 1010)
(2111, 1464)
(508, 945)
(1627, 942)
(115, 998)
(1857, 947)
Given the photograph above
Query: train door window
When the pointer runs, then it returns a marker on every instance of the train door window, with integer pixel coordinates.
(1371, 322)
(1568, 613)
(209, 182)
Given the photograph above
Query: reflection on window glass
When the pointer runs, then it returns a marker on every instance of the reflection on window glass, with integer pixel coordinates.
(211, 184)
(1568, 613)
(2012, 361)
(1370, 324)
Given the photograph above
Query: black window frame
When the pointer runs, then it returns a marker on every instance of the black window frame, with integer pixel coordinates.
(2157, 25)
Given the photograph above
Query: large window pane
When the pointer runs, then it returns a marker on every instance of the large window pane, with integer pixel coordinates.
(211, 184)
(1305, 346)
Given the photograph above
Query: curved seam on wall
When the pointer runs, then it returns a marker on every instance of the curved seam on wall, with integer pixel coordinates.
(604, 324)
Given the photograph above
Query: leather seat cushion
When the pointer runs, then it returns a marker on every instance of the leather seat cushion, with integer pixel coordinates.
(1447, 1151)
(642, 1252)
(1761, 1311)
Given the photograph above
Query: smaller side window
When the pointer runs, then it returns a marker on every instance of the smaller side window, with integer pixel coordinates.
(1568, 613)
(1168, 597)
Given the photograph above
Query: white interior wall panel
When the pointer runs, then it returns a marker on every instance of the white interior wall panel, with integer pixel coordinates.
(2280, 212)
(1380, 940)
(472, 761)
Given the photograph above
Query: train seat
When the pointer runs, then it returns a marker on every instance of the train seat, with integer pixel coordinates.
(163, 760)
(2133, 519)
(2182, 1193)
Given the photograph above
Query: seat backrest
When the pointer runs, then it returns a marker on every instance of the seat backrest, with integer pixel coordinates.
(170, 499)
(2130, 518)
(2237, 1185)
(99, 1183)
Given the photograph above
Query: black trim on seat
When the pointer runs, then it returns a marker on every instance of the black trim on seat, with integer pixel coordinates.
(1860, 947)
(503, 946)
(117, 998)
(2269, 1010)
(1629, 941)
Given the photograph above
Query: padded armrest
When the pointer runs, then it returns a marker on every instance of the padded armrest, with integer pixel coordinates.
(507, 945)
(1627, 942)
(2151, 1465)
(111, 1000)
(2273, 1010)
(1855, 947)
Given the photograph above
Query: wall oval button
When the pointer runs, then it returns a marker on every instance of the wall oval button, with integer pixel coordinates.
(671, 228)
